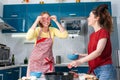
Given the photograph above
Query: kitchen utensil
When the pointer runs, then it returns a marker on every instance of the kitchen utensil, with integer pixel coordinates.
(72, 56)
(58, 76)
(37, 74)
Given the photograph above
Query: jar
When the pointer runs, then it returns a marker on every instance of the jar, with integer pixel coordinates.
(27, 1)
(77, 1)
(58, 59)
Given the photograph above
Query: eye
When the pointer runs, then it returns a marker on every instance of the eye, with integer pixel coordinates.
(48, 18)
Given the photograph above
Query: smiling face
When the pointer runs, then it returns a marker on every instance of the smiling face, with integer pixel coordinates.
(92, 19)
(45, 20)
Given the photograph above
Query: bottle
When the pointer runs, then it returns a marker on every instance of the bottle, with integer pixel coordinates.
(13, 59)
(25, 60)
(41, 2)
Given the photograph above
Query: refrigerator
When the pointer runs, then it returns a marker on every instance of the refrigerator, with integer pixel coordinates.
(117, 63)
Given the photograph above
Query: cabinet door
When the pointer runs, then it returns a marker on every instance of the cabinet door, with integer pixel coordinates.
(15, 16)
(62, 69)
(1, 74)
(14, 11)
(17, 23)
(23, 71)
(15, 73)
(65, 69)
(72, 9)
(8, 74)
(34, 10)
(11, 74)
(91, 5)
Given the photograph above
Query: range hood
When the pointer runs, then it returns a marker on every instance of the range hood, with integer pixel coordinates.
(5, 26)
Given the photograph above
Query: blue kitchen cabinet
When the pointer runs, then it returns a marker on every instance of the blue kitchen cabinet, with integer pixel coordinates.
(61, 69)
(22, 16)
(17, 23)
(15, 16)
(10, 74)
(1, 74)
(72, 10)
(34, 10)
(92, 5)
(14, 11)
(23, 71)
(15, 73)
(65, 69)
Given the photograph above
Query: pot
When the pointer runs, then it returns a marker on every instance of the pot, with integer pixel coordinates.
(58, 76)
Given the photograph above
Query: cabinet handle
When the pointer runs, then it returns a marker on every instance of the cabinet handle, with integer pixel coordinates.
(14, 15)
(23, 28)
(16, 70)
(9, 72)
(72, 14)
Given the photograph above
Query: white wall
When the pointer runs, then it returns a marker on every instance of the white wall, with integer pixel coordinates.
(1, 9)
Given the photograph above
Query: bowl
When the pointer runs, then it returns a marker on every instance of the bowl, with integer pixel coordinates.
(72, 56)
(37, 74)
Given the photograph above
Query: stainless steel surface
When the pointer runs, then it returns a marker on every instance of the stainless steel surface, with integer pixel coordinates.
(74, 25)
(4, 55)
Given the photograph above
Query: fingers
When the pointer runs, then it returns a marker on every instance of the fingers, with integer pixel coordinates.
(39, 18)
(72, 64)
(53, 17)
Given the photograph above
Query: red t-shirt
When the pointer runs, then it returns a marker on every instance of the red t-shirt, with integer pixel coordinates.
(105, 57)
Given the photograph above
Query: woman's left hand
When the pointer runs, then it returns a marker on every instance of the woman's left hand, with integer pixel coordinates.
(53, 17)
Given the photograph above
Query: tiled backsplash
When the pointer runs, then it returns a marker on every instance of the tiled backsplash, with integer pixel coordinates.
(61, 47)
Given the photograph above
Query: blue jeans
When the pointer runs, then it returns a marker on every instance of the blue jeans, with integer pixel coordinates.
(106, 72)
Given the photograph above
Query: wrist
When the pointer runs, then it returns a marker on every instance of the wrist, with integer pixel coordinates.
(56, 21)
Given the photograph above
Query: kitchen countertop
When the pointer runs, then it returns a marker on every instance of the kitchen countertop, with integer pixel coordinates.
(21, 65)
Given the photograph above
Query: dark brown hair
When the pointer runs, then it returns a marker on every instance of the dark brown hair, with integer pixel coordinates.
(41, 15)
(105, 20)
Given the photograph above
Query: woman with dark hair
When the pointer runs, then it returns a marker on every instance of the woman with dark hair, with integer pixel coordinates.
(99, 47)
(41, 59)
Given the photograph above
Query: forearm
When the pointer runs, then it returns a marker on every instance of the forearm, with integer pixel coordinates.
(89, 57)
(34, 25)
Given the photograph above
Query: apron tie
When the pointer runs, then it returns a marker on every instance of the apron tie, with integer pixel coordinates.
(41, 40)
(49, 62)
